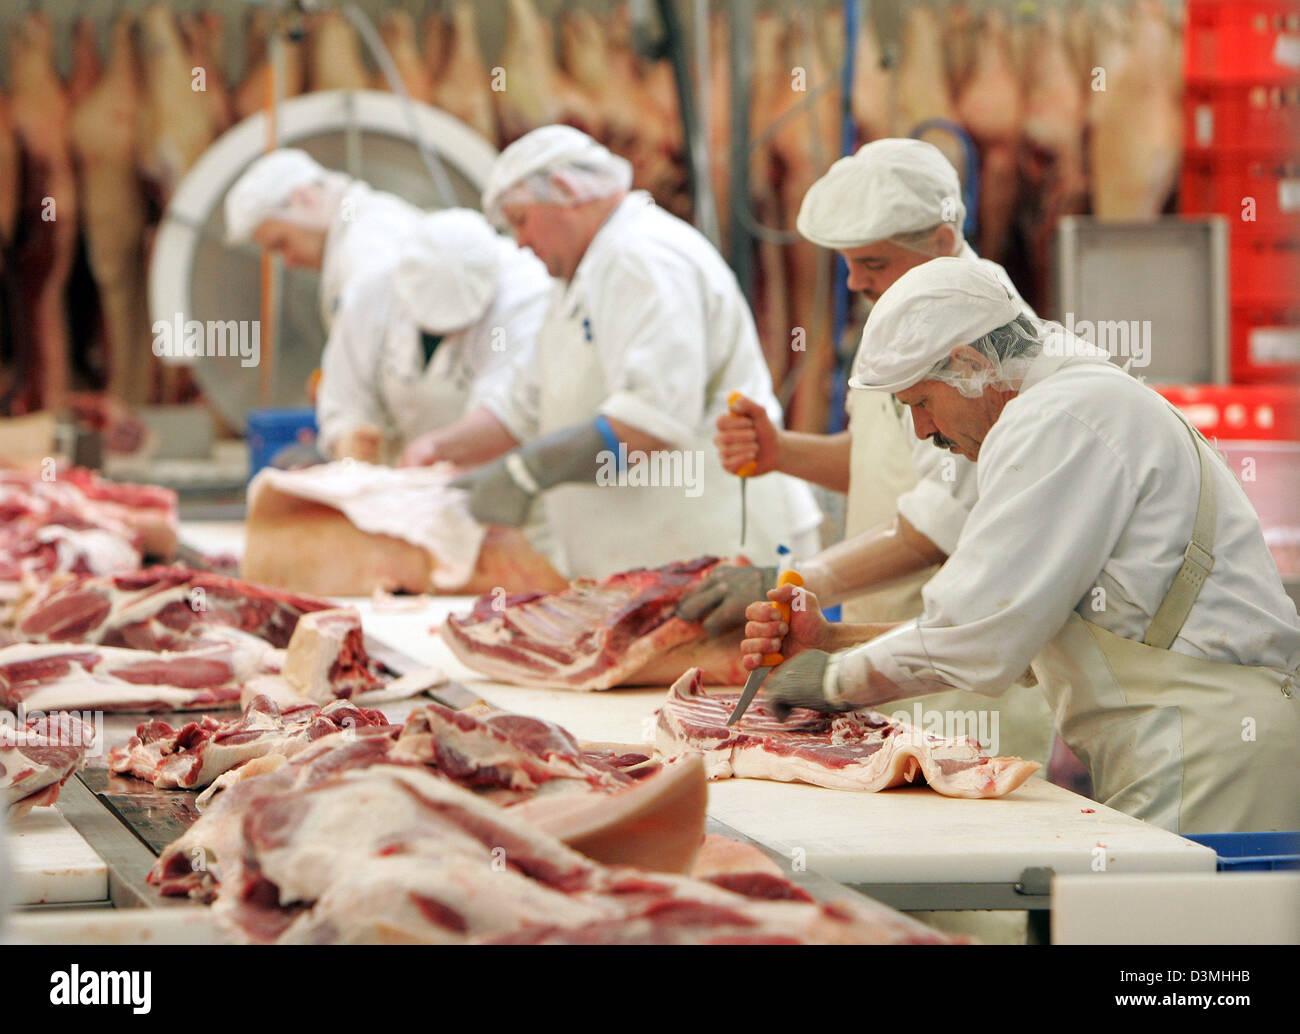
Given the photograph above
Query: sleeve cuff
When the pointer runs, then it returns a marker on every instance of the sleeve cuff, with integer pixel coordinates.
(637, 412)
(519, 427)
(933, 511)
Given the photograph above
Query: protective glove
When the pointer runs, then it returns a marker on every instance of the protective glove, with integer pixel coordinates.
(722, 597)
(803, 681)
(502, 491)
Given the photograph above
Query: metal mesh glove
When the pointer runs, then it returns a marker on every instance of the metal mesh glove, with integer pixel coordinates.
(722, 597)
(502, 491)
(801, 682)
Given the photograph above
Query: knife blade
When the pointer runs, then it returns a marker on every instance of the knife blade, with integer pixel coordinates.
(770, 660)
(747, 471)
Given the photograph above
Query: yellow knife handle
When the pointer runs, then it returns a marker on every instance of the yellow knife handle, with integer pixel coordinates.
(771, 660)
(747, 471)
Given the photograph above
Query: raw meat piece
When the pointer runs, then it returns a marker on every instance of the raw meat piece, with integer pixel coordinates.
(113, 214)
(159, 608)
(205, 40)
(990, 107)
(345, 529)
(398, 31)
(326, 659)
(464, 84)
(86, 66)
(921, 84)
(873, 86)
(509, 754)
(79, 523)
(46, 245)
(336, 62)
(531, 97)
(396, 854)
(70, 677)
(195, 754)
(1136, 140)
(37, 758)
(620, 631)
(859, 750)
(176, 122)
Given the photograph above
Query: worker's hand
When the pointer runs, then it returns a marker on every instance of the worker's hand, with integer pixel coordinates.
(364, 444)
(494, 496)
(746, 435)
(719, 602)
(421, 451)
(766, 632)
(800, 683)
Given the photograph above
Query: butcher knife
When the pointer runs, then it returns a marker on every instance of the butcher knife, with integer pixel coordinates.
(747, 471)
(770, 660)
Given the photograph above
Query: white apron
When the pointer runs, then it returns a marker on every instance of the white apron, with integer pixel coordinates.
(599, 530)
(879, 445)
(420, 398)
(1190, 745)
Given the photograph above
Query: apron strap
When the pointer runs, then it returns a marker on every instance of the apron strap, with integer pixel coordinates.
(1198, 557)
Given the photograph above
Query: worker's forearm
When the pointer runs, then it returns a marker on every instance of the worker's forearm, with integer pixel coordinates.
(819, 458)
(868, 561)
(473, 439)
(847, 636)
(636, 439)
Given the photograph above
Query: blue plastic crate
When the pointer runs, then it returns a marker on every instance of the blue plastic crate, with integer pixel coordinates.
(1253, 852)
(270, 430)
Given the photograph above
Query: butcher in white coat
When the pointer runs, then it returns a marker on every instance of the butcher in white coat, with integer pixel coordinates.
(418, 340)
(1110, 547)
(890, 207)
(608, 421)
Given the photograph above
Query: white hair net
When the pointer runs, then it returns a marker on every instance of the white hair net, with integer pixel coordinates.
(893, 189)
(267, 188)
(553, 165)
(447, 268)
(1010, 349)
(930, 310)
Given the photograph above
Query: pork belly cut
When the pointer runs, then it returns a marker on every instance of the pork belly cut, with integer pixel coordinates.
(159, 608)
(857, 750)
(76, 677)
(37, 757)
(619, 631)
(195, 754)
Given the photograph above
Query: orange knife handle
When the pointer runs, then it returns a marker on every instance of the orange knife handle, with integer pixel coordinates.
(747, 471)
(787, 578)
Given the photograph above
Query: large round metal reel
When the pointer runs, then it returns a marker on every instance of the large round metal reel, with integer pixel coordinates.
(193, 273)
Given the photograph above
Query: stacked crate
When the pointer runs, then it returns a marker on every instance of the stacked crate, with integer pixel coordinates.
(1242, 160)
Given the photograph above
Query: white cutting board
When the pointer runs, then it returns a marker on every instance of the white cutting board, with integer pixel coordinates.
(914, 835)
(113, 926)
(51, 861)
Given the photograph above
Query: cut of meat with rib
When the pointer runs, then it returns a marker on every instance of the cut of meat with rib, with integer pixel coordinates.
(859, 750)
(326, 659)
(159, 608)
(77, 522)
(72, 677)
(396, 854)
(197, 753)
(620, 631)
(37, 758)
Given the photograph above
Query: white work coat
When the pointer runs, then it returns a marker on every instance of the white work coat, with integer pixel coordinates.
(653, 331)
(363, 235)
(1089, 485)
(374, 370)
(891, 471)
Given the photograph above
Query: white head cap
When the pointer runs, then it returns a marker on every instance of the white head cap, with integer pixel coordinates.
(890, 187)
(266, 190)
(927, 312)
(523, 172)
(447, 268)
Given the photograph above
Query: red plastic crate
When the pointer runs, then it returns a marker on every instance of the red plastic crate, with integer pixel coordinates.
(1265, 271)
(1220, 184)
(1242, 117)
(1265, 344)
(1235, 40)
(1239, 412)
